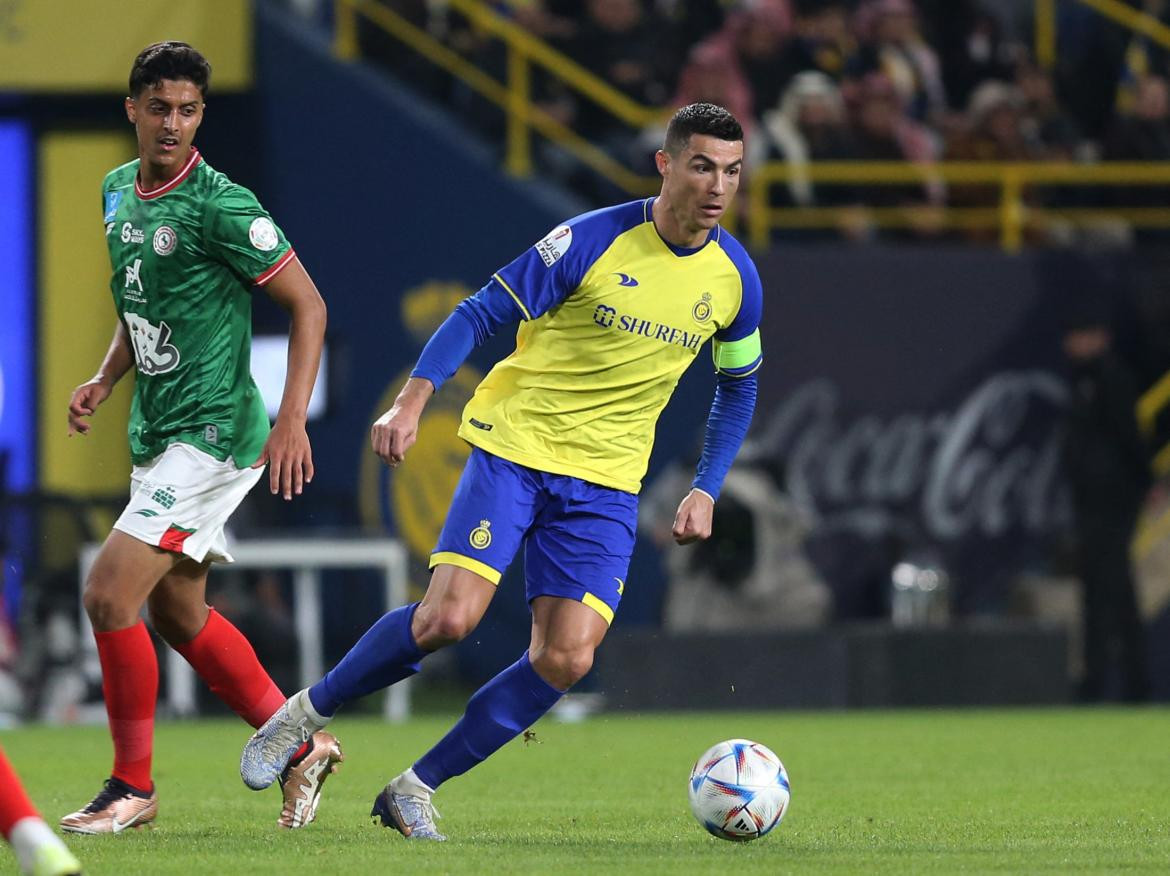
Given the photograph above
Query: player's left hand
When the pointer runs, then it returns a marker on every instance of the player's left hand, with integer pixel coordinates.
(692, 522)
(289, 458)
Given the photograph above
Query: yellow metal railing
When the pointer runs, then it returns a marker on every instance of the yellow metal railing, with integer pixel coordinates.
(1045, 33)
(1153, 401)
(514, 96)
(1011, 216)
(1116, 10)
(1134, 19)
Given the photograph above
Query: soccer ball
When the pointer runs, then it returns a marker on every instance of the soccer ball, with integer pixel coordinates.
(739, 790)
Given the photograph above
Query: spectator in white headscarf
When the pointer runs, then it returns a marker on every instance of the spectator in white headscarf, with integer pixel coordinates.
(809, 124)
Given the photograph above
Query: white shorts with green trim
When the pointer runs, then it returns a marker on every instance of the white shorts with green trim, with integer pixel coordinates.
(181, 500)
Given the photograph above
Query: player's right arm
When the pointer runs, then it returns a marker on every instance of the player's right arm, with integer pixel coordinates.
(118, 360)
(536, 280)
(475, 320)
(396, 430)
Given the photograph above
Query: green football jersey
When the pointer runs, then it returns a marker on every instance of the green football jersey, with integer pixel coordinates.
(185, 257)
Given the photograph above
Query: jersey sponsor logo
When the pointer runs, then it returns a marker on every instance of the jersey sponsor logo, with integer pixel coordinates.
(487, 427)
(153, 351)
(133, 274)
(130, 234)
(555, 245)
(609, 318)
(263, 234)
(110, 228)
(112, 201)
(626, 280)
(701, 312)
(604, 315)
(165, 240)
(164, 496)
(481, 536)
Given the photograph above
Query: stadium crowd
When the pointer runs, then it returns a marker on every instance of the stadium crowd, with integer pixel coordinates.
(854, 80)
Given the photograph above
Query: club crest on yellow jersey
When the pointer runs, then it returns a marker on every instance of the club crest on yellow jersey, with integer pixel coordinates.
(701, 312)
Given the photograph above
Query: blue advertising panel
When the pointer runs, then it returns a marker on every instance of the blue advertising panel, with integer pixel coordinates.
(16, 351)
(17, 437)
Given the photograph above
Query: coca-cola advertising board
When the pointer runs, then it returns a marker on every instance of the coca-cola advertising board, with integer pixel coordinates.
(912, 400)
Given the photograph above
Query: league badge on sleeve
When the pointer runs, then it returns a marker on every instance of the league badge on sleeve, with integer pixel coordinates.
(112, 201)
(555, 245)
(263, 234)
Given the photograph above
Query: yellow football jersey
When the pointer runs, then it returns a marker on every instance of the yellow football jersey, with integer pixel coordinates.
(612, 317)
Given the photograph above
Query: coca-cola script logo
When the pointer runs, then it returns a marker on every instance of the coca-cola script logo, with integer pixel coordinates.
(989, 466)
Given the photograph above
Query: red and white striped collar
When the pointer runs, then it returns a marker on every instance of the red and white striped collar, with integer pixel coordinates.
(170, 184)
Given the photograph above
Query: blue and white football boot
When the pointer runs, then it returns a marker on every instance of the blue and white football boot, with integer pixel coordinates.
(405, 805)
(270, 749)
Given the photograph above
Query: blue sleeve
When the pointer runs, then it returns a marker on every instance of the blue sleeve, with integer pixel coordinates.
(551, 270)
(752, 303)
(727, 425)
(472, 322)
(543, 275)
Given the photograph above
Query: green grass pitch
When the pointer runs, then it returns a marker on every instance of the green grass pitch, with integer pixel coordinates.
(920, 791)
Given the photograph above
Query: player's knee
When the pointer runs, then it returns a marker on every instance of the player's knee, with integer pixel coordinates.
(106, 608)
(434, 628)
(560, 667)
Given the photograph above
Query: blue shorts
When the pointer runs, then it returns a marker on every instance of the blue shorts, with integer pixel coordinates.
(578, 536)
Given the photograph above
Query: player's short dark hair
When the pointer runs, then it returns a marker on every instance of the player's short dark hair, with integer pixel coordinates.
(700, 118)
(169, 60)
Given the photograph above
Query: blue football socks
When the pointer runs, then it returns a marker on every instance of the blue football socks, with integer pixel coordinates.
(497, 713)
(385, 654)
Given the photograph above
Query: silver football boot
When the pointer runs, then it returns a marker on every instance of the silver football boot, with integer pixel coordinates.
(270, 749)
(410, 815)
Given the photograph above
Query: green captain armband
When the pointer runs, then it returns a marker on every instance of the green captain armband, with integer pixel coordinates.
(737, 358)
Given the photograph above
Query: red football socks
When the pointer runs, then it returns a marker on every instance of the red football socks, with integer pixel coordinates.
(227, 662)
(130, 686)
(14, 802)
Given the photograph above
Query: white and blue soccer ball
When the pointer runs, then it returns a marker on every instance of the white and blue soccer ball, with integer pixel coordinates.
(739, 790)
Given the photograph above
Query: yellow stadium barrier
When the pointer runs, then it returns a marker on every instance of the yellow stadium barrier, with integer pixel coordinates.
(1010, 219)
